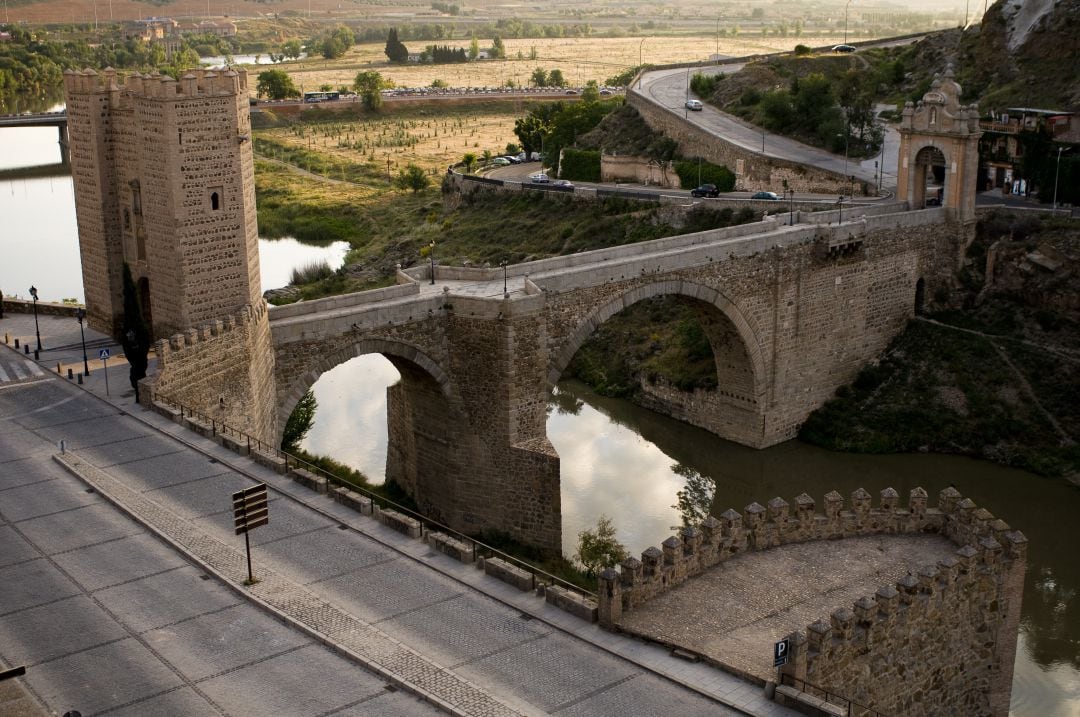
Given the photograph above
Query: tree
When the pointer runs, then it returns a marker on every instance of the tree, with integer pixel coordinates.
(275, 84)
(395, 49)
(134, 333)
(555, 78)
(469, 160)
(299, 423)
(695, 499)
(474, 48)
(591, 93)
(498, 49)
(598, 549)
(412, 177)
(539, 77)
(369, 84)
(292, 49)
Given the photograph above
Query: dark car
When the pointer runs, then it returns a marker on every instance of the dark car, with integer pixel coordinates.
(765, 195)
(705, 190)
(843, 48)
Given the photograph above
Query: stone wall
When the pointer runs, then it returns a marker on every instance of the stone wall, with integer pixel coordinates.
(223, 369)
(753, 170)
(939, 643)
(639, 171)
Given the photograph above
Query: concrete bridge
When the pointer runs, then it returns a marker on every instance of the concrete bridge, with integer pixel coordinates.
(792, 311)
(43, 119)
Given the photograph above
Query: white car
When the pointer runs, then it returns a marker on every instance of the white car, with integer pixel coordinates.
(539, 178)
(500, 161)
(694, 105)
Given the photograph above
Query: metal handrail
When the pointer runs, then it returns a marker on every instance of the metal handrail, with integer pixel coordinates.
(832, 697)
(218, 426)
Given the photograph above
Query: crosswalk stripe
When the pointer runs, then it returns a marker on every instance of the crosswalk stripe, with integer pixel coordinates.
(3, 375)
(35, 369)
(19, 375)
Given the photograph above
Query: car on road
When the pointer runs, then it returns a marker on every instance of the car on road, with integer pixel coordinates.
(605, 93)
(705, 190)
(512, 159)
(765, 195)
(694, 105)
(500, 161)
(564, 183)
(843, 48)
(539, 178)
(571, 92)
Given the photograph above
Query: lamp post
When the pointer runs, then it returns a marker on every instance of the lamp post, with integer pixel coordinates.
(840, 201)
(37, 329)
(791, 207)
(503, 265)
(640, 47)
(80, 314)
(431, 257)
(718, 41)
(1057, 172)
(845, 19)
(686, 101)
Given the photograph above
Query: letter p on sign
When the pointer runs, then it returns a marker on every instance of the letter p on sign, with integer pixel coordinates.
(780, 652)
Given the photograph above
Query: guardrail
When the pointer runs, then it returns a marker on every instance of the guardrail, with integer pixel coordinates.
(480, 549)
(854, 708)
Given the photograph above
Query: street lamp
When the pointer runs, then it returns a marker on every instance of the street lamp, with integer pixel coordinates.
(845, 20)
(80, 314)
(37, 329)
(791, 207)
(840, 201)
(431, 256)
(686, 101)
(640, 46)
(503, 265)
(718, 41)
(1057, 171)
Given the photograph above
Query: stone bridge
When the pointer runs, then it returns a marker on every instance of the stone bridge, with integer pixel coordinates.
(791, 308)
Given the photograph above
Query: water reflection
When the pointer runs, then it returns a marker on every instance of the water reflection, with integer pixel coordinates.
(278, 257)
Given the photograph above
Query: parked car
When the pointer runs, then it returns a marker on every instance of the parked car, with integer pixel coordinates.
(765, 195)
(843, 48)
(705, 190)
(564, 183)
(571, 92)
(513, 159)
(500, 161)
(933, 202)
(539, 178)
(694, 105)
(605, 93)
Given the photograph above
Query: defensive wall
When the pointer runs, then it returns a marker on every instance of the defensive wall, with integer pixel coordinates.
(791, 312)
(753, 170)
(941, 642)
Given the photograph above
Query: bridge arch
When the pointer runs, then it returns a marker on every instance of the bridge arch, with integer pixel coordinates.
(395, 351)
(734, 409)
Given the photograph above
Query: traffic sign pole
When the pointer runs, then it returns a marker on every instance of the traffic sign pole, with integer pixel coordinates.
(250, 510)
(247, 545)
(103, 354)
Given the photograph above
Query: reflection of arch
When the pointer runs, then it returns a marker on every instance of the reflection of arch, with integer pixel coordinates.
(395, 351)
(925, 156)
(701, 293)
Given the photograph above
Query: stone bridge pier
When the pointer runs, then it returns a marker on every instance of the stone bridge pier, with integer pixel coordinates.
(466, 421)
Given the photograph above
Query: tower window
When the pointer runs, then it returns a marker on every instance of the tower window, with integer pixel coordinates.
(215, 201)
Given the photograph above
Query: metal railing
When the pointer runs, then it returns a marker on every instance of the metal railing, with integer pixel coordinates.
(480, 549)
(854, 708)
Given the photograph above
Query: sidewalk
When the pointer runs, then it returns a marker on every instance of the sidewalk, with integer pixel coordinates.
(442, 629)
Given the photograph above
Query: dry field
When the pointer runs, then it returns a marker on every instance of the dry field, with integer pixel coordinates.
(426, 138)
(580, 59)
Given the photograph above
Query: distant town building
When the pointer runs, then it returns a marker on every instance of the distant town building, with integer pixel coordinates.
(1001, 148)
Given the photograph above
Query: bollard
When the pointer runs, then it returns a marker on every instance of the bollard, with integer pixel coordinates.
(7, 338)
(59, 370)
(16, 343)
(70, 375)
(36, 357)
(26, 349)
(80, 379)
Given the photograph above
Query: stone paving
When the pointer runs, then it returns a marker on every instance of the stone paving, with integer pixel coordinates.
(417, 617)
(732, 616)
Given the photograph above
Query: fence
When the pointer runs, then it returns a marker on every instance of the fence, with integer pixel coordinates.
(854, 709)
(241, 439)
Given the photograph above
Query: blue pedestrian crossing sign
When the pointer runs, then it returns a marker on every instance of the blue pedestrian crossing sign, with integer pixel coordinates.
(780, 652)
(103, 354)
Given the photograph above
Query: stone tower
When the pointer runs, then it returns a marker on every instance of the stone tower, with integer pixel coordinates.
(939, 131)
(164, 182)
(163, 177)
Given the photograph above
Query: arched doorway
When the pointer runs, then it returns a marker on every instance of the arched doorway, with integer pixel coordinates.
(930, 178)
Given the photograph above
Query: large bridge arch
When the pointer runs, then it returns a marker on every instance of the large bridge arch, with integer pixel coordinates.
(735, 409)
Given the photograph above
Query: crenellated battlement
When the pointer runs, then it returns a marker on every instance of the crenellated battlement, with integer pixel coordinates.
(758, 527)
(196, 83)
(173, 348)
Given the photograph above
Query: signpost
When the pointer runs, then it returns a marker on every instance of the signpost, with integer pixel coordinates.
(780, 652)
(103, 354)
(250, 510)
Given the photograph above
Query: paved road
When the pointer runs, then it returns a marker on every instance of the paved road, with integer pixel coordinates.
(92, 593)
(668, 88)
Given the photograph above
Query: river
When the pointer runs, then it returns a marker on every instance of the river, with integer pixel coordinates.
(620, 460)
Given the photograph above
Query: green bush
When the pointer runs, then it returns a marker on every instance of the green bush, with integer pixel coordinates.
(722, 177)
(580, 164)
